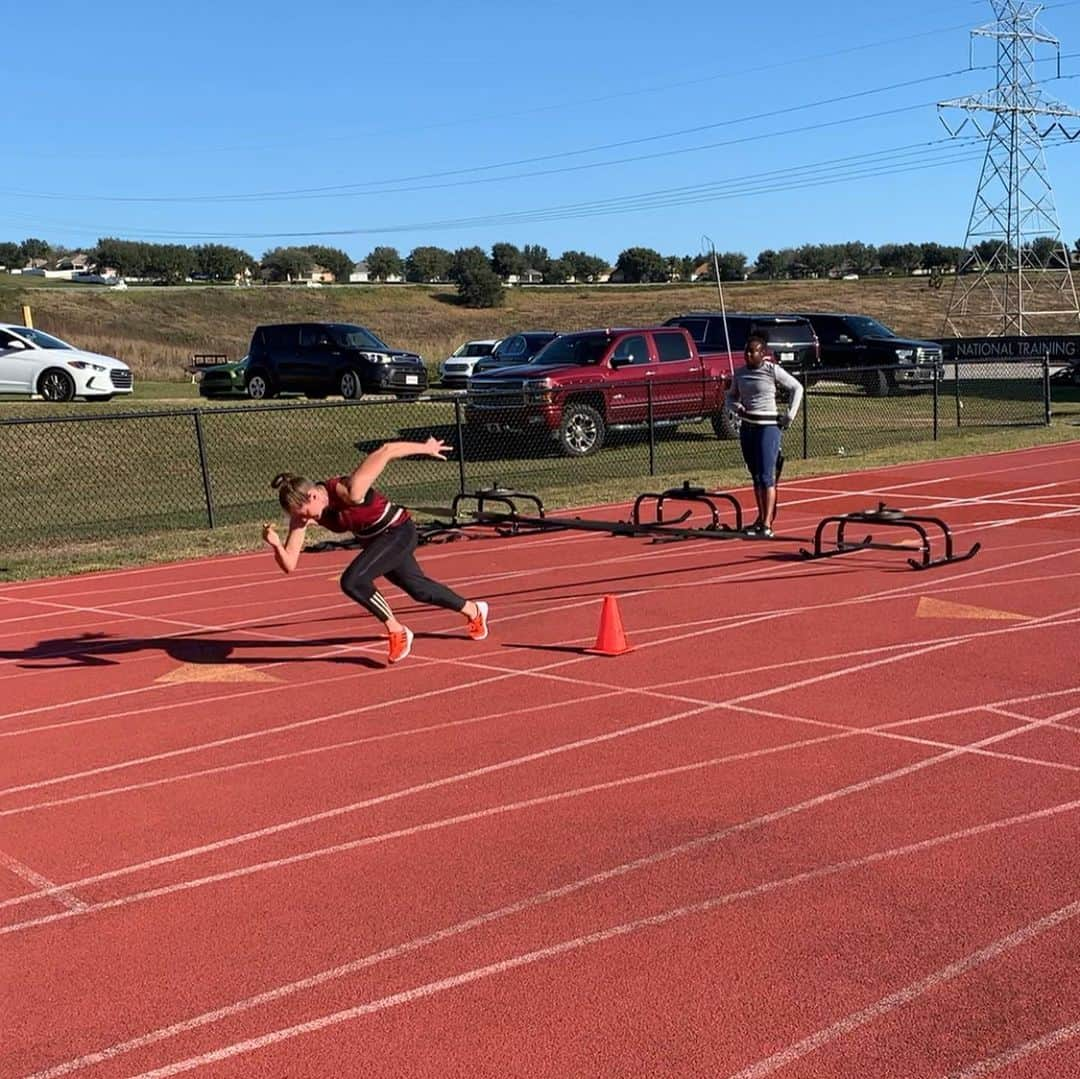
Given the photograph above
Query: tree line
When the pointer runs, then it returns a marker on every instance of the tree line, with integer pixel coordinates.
(480, 275)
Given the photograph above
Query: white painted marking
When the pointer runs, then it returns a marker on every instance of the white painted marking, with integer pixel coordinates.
(60, 893)
(1018, 1052)
(908, 993)
(753, 823)
(549, 952)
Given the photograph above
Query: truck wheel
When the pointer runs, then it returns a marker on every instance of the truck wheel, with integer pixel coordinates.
(726, 424)
(876, 383)
(581, 431)
(258, 385)
(349, 386)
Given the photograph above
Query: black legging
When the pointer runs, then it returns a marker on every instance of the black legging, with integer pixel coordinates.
(390, 555)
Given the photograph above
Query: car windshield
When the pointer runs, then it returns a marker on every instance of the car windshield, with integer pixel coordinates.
(474, 348)
(358, 337)
(41, 340)
(869, 327)
(580, 350)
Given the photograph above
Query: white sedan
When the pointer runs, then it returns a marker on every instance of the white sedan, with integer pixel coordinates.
(455, 369)
(38, 363)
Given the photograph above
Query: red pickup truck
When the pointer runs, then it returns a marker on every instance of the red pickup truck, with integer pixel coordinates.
(583, 385)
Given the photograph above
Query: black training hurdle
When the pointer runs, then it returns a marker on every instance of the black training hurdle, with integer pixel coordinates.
(509, 521)
(897, 518)
(687, 493)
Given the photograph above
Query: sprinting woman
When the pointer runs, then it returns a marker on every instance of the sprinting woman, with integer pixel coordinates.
(386, 531)
(753, 398)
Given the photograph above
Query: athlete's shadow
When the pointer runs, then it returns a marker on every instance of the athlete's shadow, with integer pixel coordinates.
(104, 650)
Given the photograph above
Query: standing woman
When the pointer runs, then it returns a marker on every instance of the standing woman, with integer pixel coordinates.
(752, 396)
(386, 531)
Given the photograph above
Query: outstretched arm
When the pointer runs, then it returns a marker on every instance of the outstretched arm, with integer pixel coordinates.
(286, 554)
(364, 476)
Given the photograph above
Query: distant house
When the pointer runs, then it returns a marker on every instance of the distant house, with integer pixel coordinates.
(528, 276)
(317, 275)
(361, 274)
(79, 262)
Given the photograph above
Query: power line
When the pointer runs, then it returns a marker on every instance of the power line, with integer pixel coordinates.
(342, 189)
(828, 172)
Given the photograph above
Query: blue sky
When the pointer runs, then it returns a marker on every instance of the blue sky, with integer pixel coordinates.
(589, 126)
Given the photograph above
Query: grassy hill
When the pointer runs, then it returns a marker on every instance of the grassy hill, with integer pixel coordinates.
(156, 329)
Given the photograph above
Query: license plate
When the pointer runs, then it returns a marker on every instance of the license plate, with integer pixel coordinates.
(412, 380)
(787, 357)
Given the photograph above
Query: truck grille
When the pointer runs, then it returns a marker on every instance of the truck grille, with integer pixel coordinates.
(495, 389)
(120, 379)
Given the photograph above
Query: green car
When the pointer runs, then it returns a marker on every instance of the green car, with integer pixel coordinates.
(224, 379)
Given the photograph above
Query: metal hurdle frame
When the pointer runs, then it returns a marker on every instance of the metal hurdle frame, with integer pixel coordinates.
(893, 517)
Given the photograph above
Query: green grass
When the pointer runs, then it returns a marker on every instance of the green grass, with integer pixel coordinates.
(156, 330)
(141, 496)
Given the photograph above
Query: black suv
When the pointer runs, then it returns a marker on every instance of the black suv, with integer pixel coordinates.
(791, 338)
(516, 349)
(323, 358)
(861, 350)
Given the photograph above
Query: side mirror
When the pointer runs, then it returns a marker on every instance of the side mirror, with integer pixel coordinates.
(624, 360)
(14, 344)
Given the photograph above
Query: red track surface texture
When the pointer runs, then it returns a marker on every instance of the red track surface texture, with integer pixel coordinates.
(823, 821)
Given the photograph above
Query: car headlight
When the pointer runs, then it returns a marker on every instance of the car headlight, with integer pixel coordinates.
(376, 357)
(537, 389)
(905, 355)
(85, 365)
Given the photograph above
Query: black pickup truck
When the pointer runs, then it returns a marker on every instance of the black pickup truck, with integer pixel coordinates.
(859, 349)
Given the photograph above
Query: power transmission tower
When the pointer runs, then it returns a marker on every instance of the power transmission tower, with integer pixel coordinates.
(1014, 276)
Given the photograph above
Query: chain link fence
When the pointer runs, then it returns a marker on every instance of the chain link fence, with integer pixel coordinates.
(137, 472)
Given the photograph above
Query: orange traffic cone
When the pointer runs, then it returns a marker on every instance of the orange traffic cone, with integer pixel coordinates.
(610, 638)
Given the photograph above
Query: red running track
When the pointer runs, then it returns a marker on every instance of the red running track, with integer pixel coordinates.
(822, 822)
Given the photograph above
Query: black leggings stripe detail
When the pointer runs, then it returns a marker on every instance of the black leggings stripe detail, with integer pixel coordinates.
(390, 555)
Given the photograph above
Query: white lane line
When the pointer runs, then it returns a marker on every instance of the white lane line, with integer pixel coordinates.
(45, 886)
(885, 732)
(1018, 1052)
(718, 623)
(407, 732)
(447, 822)
(610, 689)
(287, 825)
(641, 556)
(909, 992)
(315, 574)
(502, 673)
(262, 732)
(756, 822)
(541, 954)
(390, 796)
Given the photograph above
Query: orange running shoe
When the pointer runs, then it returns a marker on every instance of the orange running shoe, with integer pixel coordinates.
(478, 626)
(400, 646)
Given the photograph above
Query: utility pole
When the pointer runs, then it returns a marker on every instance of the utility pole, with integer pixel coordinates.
(1014, 277)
